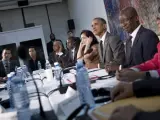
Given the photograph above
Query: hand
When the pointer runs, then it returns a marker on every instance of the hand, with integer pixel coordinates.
(129, 75)
(3, 79)
(121, 91)
(89, 41)
(124, 113)
(110, 67)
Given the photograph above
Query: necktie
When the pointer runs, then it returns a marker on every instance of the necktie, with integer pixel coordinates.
(101, 47)
(128, 48)
(7, 67)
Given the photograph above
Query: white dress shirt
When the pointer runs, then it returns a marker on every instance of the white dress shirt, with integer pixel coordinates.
(59, 54)
(134, 34)
(103, 38)
(73, 51)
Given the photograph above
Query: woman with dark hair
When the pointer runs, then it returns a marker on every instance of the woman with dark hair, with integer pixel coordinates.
(88, 50)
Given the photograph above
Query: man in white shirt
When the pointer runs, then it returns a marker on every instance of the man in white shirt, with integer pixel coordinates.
(111, 47)
(141, 44)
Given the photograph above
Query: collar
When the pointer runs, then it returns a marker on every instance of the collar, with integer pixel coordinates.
(73, 50)
(59, 53)
(134, 33)
(103, 37)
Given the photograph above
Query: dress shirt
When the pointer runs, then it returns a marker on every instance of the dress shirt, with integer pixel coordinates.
(103, 38)
(73, 52)
(134, 34)
(59, 53)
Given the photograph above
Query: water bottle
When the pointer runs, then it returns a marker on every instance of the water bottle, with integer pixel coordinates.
(48, 71)
(20, 97)
(48, 65)
(9, 76)
(57, 71)
(39, 65)
(83, 85)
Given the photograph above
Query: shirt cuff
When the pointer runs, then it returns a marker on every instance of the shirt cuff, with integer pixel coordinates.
(154, 74)
(135, 69)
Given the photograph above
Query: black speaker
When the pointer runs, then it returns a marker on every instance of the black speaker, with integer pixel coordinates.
(22, 3)
(71, 25)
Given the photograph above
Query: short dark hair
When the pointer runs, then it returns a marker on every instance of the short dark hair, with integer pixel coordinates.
(58, 40)
(88, 33)
(32, 47)
(73, 39)
(70, 31)
(129, 12)
(7, 49)
(100, 19)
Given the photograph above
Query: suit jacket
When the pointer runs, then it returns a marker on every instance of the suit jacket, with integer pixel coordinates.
(33, 65)
(145, 88)
(63, 60)
(72, 61)
(113, 50)
(144, 47)
(50, 47)
(13, 64)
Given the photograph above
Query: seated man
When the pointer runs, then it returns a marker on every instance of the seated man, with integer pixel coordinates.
(142, 43)
(33, 61)
(143, 88)
(59, 54)
(149, 68)
(72, 50)
(6, 64)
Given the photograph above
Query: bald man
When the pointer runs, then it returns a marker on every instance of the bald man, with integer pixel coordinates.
(59, 54)
(141, 44)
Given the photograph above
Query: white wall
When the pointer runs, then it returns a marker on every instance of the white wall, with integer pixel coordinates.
(83, 12)
(59, 14)
(11, 19)
(25, 34)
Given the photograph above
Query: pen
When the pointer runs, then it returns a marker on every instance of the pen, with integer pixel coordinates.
(120, 67)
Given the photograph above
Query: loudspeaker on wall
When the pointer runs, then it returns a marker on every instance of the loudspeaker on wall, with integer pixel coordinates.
(22, 2)
(71, 25)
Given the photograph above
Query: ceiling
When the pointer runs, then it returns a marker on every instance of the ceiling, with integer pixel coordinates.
(12, 4)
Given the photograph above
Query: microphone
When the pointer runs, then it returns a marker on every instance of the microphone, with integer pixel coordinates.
(22, 53)
(63, 88)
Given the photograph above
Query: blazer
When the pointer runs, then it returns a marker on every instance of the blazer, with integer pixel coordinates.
(50, 47)
(145, 88)
(113, 50)
(13, 64)
(152, 65)
(63, 60)
(71, 61)
(144, 47)
(33, 65)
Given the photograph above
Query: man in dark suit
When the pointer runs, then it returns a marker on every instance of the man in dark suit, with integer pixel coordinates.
(6, 64)
(50, 44)
(59, 54)
(73, 46)
(141, 88)
(141, 44)
(111, 47)
(34, 59)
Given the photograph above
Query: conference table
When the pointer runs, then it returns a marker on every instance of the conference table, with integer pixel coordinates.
(62, 104)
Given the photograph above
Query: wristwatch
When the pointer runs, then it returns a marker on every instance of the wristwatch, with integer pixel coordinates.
(148, 76)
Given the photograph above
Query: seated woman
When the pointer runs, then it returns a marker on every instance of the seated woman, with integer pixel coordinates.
(88, 50)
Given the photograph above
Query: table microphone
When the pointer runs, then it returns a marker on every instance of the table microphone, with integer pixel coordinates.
(63, 88)
(22, 53)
